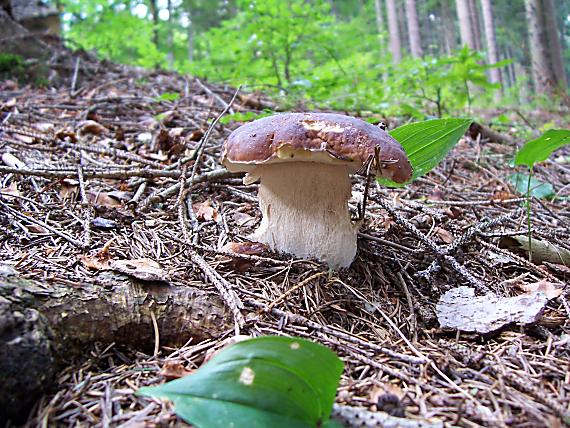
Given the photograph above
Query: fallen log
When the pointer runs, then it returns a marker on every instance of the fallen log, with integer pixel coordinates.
(44, 324)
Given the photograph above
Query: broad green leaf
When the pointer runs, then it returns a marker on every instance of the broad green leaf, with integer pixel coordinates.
(538, 189)
(540, 149)
(268, 381)
(427, 143)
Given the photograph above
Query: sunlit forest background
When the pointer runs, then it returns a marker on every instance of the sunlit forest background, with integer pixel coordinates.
(412, 57)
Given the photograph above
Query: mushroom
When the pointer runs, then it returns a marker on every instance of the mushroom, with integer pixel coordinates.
(303, 162)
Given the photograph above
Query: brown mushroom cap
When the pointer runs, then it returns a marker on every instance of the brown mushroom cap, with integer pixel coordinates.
(314, 137)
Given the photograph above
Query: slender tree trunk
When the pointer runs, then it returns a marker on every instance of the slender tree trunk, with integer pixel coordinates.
(395, 43)
(490, 37)
(154, 12)
(465, 27)
(170, 38)
(475, 24)
(380, 27)
(413, 29)
(553, 43)
(449, 32)
(541, 70)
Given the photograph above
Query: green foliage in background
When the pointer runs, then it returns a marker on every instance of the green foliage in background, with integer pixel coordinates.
(281, 382)
(323, 54)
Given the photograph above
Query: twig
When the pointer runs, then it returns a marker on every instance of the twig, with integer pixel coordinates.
(299, 319)
(361, 417)
(88, 213)
(459, 268)
(200, 151)
(226, 106)
(46, 226)
(293, 289)
(223, 287)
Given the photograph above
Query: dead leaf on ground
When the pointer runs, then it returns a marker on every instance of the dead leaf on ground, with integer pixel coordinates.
(460, 309)
(143, 269)
(10, 191)
(248, 248)
(91, 127)
(94, 262)
(205, 211)
(444, 235)
(243, 219)
(102, 199)
(542, 251)
(174, 370)
(548, 288)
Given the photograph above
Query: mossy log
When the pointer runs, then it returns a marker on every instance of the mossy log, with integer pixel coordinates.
(44, 324)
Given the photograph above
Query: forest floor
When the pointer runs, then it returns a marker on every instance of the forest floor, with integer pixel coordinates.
(97, 177)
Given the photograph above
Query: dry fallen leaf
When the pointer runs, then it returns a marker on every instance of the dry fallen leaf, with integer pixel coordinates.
(243, 219)
(248, 248)
(444, 235)
(174, 370)
(205, 211)
(548, 288)
(144, 269)
(460, 309)
(91, 127)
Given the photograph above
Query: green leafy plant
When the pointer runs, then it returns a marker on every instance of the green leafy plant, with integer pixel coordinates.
(168, 96)
(534, 151)
(272, 381)
(427, 143)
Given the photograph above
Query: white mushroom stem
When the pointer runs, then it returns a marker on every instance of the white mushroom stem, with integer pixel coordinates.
(305, 211)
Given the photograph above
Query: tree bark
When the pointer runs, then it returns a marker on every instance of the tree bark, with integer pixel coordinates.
(475, 23)
(490, 37)
(43, 325)
(541, 70)
(413, 29)
(449, 32)
(553, 43)
(380, 27)
(395, 43)
(465, 27)
(154, 12)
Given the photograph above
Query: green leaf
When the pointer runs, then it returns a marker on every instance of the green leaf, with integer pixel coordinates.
(267, 381)
(538, 189)
(427, 143)
(540, 149)
(169, 96)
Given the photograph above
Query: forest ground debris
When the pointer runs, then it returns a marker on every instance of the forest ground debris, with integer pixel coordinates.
(44, 227)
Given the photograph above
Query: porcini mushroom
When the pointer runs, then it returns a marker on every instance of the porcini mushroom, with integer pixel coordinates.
(303, 162)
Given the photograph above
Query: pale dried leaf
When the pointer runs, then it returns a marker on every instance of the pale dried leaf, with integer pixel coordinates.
(243, 219)
(460, 309)
(548, 288)
(205, 211)
(144, 269)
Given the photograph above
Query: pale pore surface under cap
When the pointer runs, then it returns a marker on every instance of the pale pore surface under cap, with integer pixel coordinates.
(305, 211)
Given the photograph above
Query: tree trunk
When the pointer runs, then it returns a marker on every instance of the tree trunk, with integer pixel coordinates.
(465, 27)
(475, 24)
(553, 43)
(395, 43)
(449, 31)
(490, 37)
(541, 70)
(154, 12)
(170, 38)
(43, 325)
(380, 27)
(413, 29)
(191, 43)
